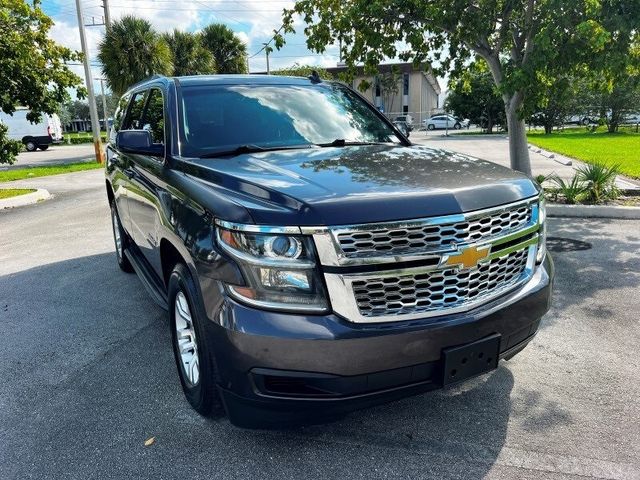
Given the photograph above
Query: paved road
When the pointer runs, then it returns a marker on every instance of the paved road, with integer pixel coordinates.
(87, 374)
(53, 155)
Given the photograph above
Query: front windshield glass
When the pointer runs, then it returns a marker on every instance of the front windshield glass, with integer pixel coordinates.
(224, 117)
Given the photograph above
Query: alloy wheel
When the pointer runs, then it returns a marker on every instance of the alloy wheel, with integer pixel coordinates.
(186, 339)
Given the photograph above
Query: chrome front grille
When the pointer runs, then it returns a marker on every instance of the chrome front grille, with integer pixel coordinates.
(410, 238)
(438, 290)
(451, 263)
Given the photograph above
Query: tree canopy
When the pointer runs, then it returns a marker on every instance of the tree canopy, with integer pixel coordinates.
(132, 50)
(189, 55)
(33, 73)
(474, 95)
(229, 52)
(516, 38)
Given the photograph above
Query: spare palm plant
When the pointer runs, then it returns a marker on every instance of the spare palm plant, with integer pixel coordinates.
(600, 181)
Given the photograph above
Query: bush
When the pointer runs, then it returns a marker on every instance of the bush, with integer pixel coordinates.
(600, 181)
(80, 140)
(572, 191)
(9, 149)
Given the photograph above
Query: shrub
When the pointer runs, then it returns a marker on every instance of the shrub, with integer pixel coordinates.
(572, 191)
(9, 148)
(600, 181)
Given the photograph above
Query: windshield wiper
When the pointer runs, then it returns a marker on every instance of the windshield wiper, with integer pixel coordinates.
(341, 142)
(250, 148)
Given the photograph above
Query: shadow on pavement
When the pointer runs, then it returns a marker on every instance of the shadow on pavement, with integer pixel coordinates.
(88, 375)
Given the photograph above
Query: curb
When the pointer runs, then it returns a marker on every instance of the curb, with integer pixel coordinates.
(594, 211)
(567, 162)
(27, 199)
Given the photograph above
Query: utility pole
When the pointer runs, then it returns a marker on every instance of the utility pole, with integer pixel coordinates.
(105, 114)
(267, 51)
(95, 124)
(107, 13)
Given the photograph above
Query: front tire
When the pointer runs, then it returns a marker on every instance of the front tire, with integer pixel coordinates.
(585, 122)
(431, 126)
(457, 126)
(120, 240)
(194, 359)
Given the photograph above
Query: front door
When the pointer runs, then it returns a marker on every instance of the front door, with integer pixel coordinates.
(146, 191)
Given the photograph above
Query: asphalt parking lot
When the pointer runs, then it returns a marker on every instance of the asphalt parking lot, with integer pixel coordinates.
(88, 375)
(54, 155)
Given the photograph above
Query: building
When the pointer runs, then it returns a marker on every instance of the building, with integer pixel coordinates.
(399, 89)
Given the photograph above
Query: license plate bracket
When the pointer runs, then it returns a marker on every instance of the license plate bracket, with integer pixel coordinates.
(466, 361)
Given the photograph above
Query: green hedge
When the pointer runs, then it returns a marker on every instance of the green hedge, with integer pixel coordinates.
(79, 140)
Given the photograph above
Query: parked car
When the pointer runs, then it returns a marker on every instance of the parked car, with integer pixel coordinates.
(33, 135)
(311, 260)
(632, 118)
(580, 120)
(406, 119)
(442, 121)
(403, 127)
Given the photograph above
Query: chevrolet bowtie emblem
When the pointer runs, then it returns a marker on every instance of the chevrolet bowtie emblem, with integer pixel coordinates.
(468, 257)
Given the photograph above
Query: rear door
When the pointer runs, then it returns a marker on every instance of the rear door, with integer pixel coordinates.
(146, 187)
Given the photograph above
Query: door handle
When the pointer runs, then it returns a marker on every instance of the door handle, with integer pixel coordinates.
(129, 172)
(112, 159)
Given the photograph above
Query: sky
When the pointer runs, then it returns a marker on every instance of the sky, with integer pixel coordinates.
(253, 21)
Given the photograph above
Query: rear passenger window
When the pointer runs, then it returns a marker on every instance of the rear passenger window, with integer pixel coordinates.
(154, 116)
(134, 119)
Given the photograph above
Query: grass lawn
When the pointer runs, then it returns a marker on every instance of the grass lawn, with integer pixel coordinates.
(14, 192)
(31, 172)
(83, 134)
(621, 148)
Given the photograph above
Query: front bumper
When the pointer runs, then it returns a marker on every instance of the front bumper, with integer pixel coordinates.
(278, 368)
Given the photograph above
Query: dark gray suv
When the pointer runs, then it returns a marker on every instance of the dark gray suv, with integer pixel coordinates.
(311, 259)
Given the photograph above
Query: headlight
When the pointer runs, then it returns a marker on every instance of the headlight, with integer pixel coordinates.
(279, 269)
(542, 232)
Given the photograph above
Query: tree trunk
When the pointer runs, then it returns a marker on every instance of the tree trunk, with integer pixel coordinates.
(518, 146)
(548, 128)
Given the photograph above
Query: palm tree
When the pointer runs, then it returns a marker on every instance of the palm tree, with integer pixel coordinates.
(229, 52)
(189, 55)
(131, 51)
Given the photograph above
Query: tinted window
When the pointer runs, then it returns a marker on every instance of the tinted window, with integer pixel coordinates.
(226, 116)
(134, 118)
(154, 116)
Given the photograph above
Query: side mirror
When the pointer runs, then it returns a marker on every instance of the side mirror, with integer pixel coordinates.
(138, 141)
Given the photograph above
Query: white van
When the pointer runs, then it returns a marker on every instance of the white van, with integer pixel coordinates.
(33, 135)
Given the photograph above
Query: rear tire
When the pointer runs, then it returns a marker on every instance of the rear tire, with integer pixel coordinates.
(30, 145)
(43, 147)
(194, 358)
(120, 240)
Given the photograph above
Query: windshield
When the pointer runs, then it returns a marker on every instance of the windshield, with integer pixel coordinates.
(223, 117)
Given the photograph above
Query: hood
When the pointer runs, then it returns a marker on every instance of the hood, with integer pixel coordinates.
(360, 184)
